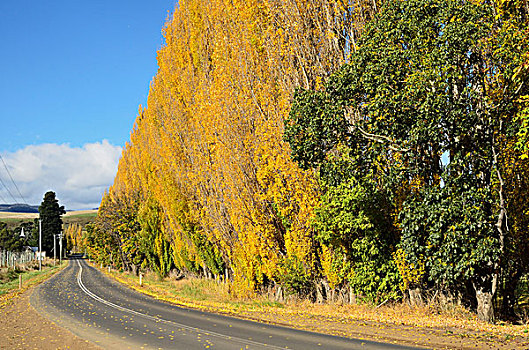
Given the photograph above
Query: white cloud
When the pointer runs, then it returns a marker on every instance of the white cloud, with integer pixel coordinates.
(78, 175)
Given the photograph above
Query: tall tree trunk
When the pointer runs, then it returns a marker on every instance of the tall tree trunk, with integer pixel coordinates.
(485, 309)
(487, 287)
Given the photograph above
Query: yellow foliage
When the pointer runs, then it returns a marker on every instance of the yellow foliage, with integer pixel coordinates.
(410, 273)
(74, 237)
(327, 258)
(211, 135)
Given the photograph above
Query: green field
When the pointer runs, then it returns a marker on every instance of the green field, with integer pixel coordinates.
(81, 217)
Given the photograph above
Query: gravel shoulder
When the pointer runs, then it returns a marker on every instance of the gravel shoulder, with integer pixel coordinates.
(22, 327)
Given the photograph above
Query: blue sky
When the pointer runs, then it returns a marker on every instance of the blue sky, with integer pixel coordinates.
(73, 74)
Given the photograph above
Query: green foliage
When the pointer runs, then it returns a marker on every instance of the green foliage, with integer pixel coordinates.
(31, 231)
(353, 221)
(295, 278)
(452, 232)
(374, 274)
(152, 241)
(208, 254)
(429, 78)
(509, 46)
(314, 127)
(50, 214)
(112, 238)
(350, 211)
(419, 143)
(10, 240)
(98, 244)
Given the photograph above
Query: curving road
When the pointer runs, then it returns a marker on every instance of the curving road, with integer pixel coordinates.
(83, 300)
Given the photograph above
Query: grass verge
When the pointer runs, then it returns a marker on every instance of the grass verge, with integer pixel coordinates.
(9, 279)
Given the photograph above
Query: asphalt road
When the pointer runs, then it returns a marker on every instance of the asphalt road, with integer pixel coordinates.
(92, 306)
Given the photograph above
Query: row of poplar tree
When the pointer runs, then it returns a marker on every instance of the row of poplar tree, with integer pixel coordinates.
(367, 149)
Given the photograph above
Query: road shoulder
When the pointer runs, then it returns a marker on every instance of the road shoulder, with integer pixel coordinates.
(22, 327)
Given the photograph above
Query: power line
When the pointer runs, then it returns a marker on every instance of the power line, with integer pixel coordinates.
(13, 181)
(11, 194)
(3, 199)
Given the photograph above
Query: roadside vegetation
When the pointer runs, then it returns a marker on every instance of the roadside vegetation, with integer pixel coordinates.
(342, 152)
(9, 277)
(20, 240)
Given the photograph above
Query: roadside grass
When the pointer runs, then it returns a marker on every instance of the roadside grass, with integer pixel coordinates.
(186, 291)
(211, 295)
(9, 278)
(197, 293)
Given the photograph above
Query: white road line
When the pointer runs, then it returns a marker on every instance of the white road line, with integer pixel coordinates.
(157, 319)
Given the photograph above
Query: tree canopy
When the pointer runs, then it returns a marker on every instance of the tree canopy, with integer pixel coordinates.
(339, 149)
(426, 107)
(50, 214)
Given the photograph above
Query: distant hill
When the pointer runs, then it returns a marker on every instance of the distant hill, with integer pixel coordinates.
(19, 208)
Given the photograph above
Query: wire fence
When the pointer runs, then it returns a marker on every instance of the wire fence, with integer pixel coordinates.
(10, 259)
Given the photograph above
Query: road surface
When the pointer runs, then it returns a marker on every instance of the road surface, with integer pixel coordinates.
(83, 300)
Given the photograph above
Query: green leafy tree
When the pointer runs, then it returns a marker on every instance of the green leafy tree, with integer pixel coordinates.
(208, 257)
(31, 232)
(154, 246)
(50, 214)
(429, 79)
(354, 221)
(9, 240)
(114, 238)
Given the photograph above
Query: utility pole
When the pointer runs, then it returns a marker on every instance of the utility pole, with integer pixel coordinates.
(60, 250)
(54, 249)
(40, 245)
